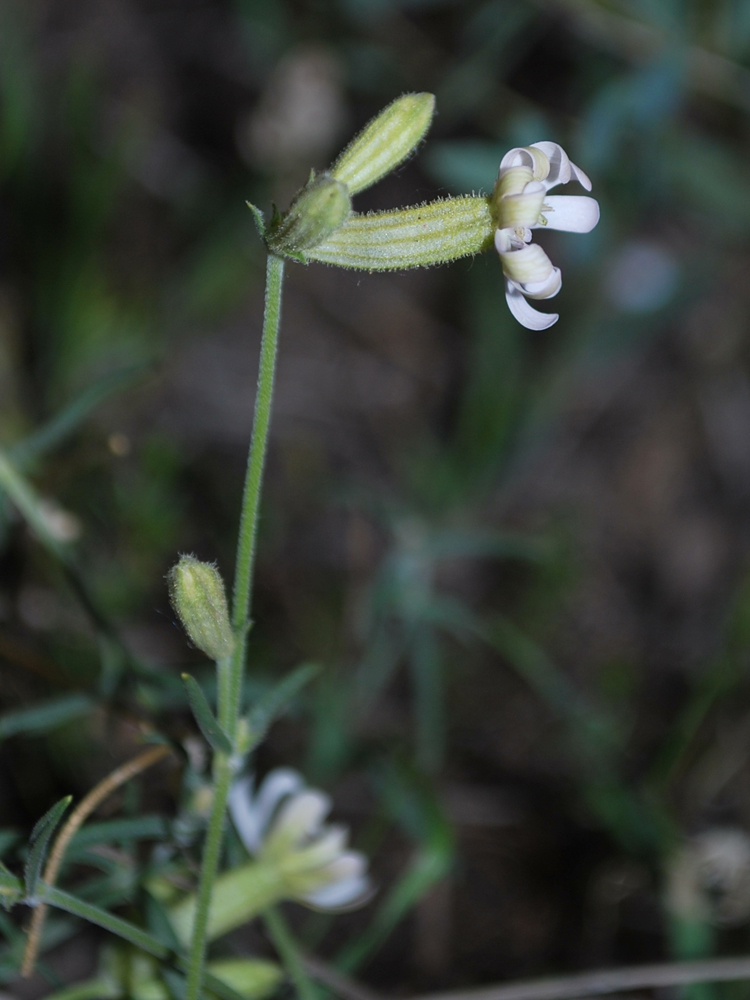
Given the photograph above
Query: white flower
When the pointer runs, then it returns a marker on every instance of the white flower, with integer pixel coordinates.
(282, 825)
(521, 204)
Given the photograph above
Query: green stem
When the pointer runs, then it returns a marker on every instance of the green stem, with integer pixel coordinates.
(209, 868)
(231, 674)
(243, 581)
(289, 953)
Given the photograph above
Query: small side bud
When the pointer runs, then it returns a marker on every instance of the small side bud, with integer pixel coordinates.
(317, 211)
(196, 590)
(385, 142)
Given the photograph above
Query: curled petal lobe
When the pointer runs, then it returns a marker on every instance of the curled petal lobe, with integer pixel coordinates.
(526, 315)
(570, 213)
(529, 264)
(527, 156)
(522, 209)
(561, 168)
(544, 289)
(559, 163)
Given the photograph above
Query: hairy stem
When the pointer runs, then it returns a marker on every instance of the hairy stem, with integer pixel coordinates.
(209, 869)
(231, 673)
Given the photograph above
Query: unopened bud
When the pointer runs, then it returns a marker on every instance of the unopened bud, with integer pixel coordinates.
(317, 211)
(196, 590)
(385, 142)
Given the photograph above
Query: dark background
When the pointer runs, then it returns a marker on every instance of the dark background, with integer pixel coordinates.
(520, 559)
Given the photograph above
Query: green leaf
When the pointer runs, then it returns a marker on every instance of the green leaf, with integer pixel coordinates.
(10, 886)
(39, 840)
(205, 718)
(157, 921)
(433, 233)
(98, 988)
(45, 715)
(278, 698)
(94, 915)
(138, 828)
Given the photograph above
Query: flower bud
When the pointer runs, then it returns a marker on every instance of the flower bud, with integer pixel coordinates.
(385, 142)
(196, 590)
(319, 209)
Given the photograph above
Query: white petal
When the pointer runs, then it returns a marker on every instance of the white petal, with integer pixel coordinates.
(582, 178)
(327, 848)
(297, 820)
(570, 213)
(544, 289)
(526, 156)
(344, 895)
(521, 209)
(526, 315)
(529, 264)
(519, 156)
(350, 865)
(503, 240)
(251, 815)
(559, 164)
(244, 815)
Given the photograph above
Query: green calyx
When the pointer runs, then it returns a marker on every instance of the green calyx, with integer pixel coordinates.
(321, 226)
(433, 233)
(238, 896)
(319, 209)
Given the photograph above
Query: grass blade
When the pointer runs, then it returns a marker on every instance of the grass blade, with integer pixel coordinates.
(45, 715)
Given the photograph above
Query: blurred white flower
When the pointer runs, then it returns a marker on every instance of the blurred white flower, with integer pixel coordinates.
(708, 878)
(282, 825)
(521, 203)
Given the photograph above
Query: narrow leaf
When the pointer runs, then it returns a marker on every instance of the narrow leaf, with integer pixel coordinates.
(9, 884)
(98, 988)
(205, 718)
(433, 233)
(278, 698)
(40, 837)
(45, 715)
(94, 915)
(138, 828)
